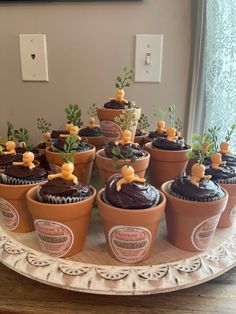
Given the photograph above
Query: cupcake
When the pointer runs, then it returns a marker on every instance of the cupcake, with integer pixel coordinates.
(113, 108)
(14, 184)
(194, 205)
(92, 132)
(113, 154)
(225, 176)
(61, 210)
(8, 155)
(131, 210)
(83, 158)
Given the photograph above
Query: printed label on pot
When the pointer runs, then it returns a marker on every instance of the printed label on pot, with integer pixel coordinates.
(128, 243)
(203, 233)
(111, 131)
(232, 214)
(55, 168)
(55, 238)
(10, 214)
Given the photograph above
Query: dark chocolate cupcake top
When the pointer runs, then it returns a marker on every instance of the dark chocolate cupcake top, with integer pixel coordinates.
(56, 133)
(208, 190)
(139, 132)
(21, 172)
(90, 132)
(132, 195)
(7, 160)
(230, 159)
(165, 144)
(58, 146)
(60, 187)
(114, 104)
(154, 134)
(224, 173)
(124, 150)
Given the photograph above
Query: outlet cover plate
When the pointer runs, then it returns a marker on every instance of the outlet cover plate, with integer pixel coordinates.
(33, 54)
(148, 58)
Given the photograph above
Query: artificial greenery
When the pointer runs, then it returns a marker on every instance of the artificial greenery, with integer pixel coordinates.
(126, 119)
(172, 115)
(92, 112)
(73, 114)
(124, 79)
(43, 125)
(213, 136)
(199, 149)
(143, 123)
(230, 132)
(117, 155)
(70, 148)
(158, 112)
(10, 131)
(22, 136)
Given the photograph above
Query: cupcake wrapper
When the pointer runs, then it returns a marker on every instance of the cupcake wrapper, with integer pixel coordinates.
(226, 181)
(50, 199)
(15, 181)
(207, 199)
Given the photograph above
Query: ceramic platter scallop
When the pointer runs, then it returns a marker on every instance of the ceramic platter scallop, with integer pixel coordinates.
(94, 271)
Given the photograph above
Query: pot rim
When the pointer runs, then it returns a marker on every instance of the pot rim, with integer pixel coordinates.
(33, 189)
(135, 211)
(148, 146)
(98, 154)
(165, 190)
(102, 108)
(10, 186)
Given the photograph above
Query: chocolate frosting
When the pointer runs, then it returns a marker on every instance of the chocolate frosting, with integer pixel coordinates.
(132, 195)
(139, 132)
(114, 104)
(230, 159)
(6, 160)
(90, 132)
(207, 190)
(154, 134)
(165, 144)
(225, 172)
(22, 150)
(64, 188)
(137, 151)
(58, 146)
(42, 145)
(56, 133)
(21, 172)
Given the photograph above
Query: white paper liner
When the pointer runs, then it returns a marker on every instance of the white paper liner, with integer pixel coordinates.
(14, 181)
(226, 181)
(193, 199)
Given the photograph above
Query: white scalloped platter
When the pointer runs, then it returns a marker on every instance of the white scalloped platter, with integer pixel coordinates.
(94, 271)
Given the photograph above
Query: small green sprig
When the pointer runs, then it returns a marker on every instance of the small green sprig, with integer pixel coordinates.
(126, 119)
(124, 79)
(213, 136)
(22, 136)
(179, 125)
(10, 131)
(70, 148)
(158, 112)
(92, 111)
(143, 123)
(73, 114)
(230, 132)
(43, 125)
(200, 148)
(172, 115)
(117, 155)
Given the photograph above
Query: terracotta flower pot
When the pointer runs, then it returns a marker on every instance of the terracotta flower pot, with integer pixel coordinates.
(165, 165)
(191, 225)
(83, 162)
(227, 217)
(106, 166)
(112, 131)
(14, 207)
(130, 234)
(61, 228)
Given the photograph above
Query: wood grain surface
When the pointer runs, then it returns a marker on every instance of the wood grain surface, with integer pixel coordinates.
(21, 295)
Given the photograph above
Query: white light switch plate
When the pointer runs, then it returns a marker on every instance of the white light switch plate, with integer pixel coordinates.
(148, 58)
(33, 53)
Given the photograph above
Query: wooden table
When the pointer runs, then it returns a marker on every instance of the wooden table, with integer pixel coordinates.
(21, 295)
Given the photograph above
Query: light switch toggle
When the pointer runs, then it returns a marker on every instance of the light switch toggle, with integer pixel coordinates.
(148, 58)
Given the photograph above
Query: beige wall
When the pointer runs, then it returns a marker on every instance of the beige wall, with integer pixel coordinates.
(88, 44)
